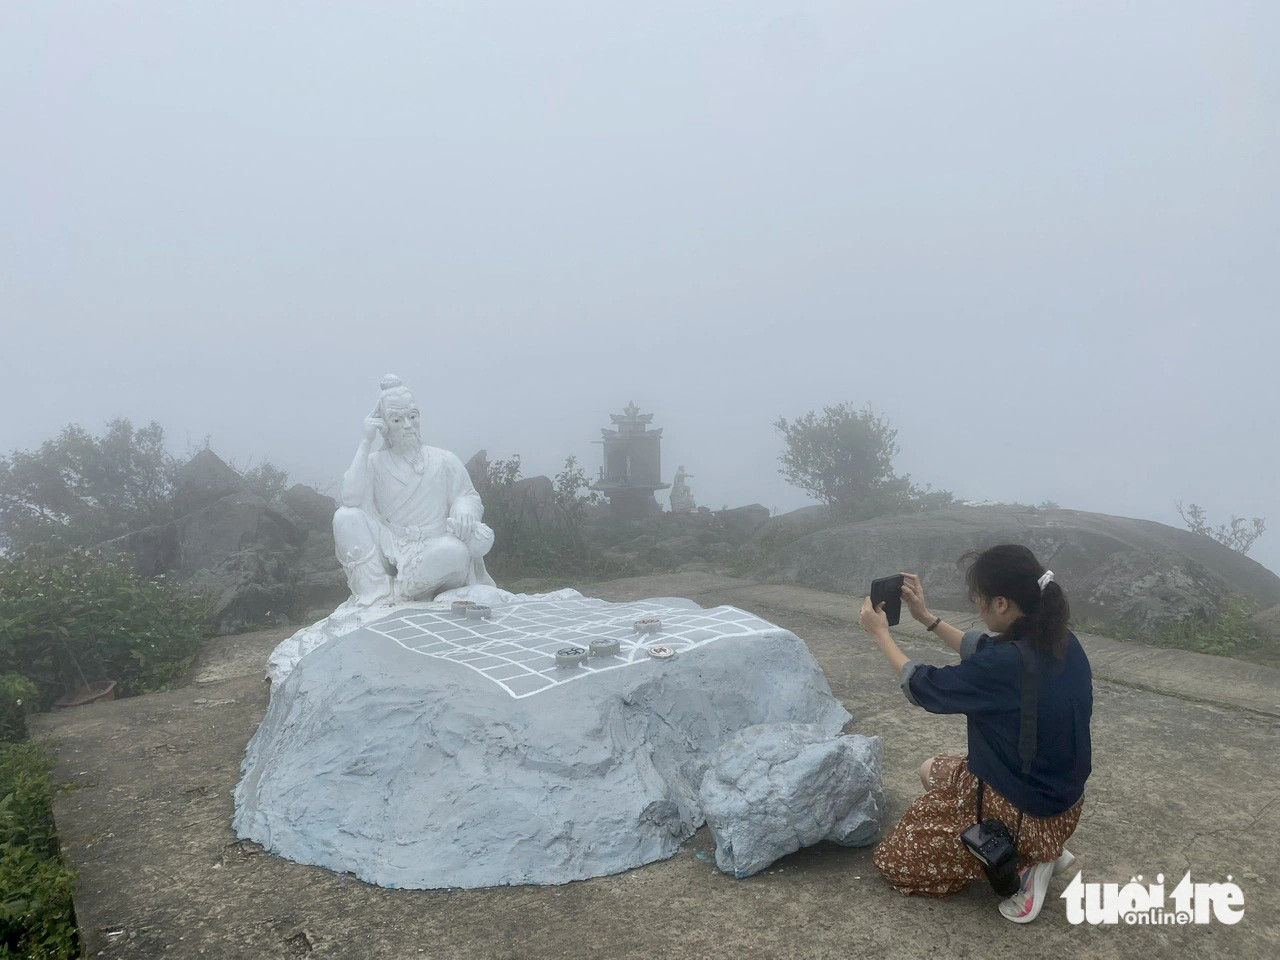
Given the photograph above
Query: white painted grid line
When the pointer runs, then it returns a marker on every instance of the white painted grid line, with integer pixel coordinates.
(516, 647)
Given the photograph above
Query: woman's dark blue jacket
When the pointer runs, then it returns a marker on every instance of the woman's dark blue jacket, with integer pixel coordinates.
(986, 686)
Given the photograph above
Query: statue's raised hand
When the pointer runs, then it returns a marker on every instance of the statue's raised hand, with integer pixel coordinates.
(373, 428)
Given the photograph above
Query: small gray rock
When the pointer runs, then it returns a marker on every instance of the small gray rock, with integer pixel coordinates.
(776, 787)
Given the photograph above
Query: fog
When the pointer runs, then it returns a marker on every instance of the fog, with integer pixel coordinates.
(1043, 238)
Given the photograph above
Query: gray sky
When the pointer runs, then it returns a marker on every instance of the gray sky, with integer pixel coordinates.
(1043, 238)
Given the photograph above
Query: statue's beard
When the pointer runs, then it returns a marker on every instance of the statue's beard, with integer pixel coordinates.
(407, 444)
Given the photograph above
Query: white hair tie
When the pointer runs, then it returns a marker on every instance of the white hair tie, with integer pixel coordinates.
(1045, 580)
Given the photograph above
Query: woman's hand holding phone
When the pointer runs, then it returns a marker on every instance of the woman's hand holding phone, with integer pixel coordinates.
(913, 597)
(872, 618)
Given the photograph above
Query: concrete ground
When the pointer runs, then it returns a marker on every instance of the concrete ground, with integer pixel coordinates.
(1185, 777)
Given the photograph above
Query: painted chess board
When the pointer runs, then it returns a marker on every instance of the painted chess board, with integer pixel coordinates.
(516, 647)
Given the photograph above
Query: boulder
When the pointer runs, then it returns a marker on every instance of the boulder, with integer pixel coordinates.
(318, 577)
(744, 520)
(676, 550)
(247, 587)
(201, 540)
(202, 480)
(239, 549)
(478, 468)
(537, 491)
(383, 754)
(312, 508)
(774, 788)
(230, 525)
(1115, 570)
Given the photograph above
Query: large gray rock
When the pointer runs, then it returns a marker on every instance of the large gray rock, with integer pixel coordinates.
(478, 469)
(239, 549)
(202, 480)
(320, 581)
(538, 492)
(1115, 570)
(413, 771)
(774, 788)
(202, 540)
(744, 520)
(314, 509)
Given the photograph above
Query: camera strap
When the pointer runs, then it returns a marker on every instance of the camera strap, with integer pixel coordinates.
(1017, 832)
(1029, 719)
(1028, 722)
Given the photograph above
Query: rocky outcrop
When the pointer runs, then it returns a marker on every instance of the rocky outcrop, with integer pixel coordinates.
(537, 493)
(1116, 570)
(478, 469)
(744, 520)
(258, 560)
(1267, 624)
(774, 788)
(202, 480)
(315, 510)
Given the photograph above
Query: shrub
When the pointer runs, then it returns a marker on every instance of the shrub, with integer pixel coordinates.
(1239, 534)
(18, 697)
(36, 915)
(533, 535)
(78, 618)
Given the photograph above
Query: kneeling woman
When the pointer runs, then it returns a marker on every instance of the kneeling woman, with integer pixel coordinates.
(1018, 600)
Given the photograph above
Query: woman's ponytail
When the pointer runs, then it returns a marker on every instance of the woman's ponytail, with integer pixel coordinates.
(1047, 626)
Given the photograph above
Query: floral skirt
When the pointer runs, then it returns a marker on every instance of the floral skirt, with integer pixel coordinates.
(924, 853)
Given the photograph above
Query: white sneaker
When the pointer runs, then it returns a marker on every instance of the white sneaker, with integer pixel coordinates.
(1064, 862)
(1024, 906)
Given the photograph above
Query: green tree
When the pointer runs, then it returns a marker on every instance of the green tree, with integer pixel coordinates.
(844, 458)
(1238, 534)
(78, 489)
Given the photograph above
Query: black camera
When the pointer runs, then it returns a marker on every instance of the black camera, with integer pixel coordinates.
(992, 843)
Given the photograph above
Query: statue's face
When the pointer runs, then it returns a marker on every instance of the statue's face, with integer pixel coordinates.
(403, 428)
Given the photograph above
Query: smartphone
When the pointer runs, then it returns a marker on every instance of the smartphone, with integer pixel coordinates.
(888, 590)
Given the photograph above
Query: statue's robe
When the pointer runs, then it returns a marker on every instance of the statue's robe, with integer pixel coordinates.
(411, 510)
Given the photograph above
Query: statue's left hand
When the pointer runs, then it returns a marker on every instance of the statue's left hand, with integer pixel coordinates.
(464, 527)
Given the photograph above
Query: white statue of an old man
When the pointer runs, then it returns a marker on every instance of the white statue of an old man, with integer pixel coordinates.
(409, 525)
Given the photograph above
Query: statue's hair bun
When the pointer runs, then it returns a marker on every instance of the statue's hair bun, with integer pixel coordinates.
(390, 381)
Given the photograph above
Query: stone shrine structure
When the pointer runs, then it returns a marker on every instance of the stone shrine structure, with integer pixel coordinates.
(632, 464)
